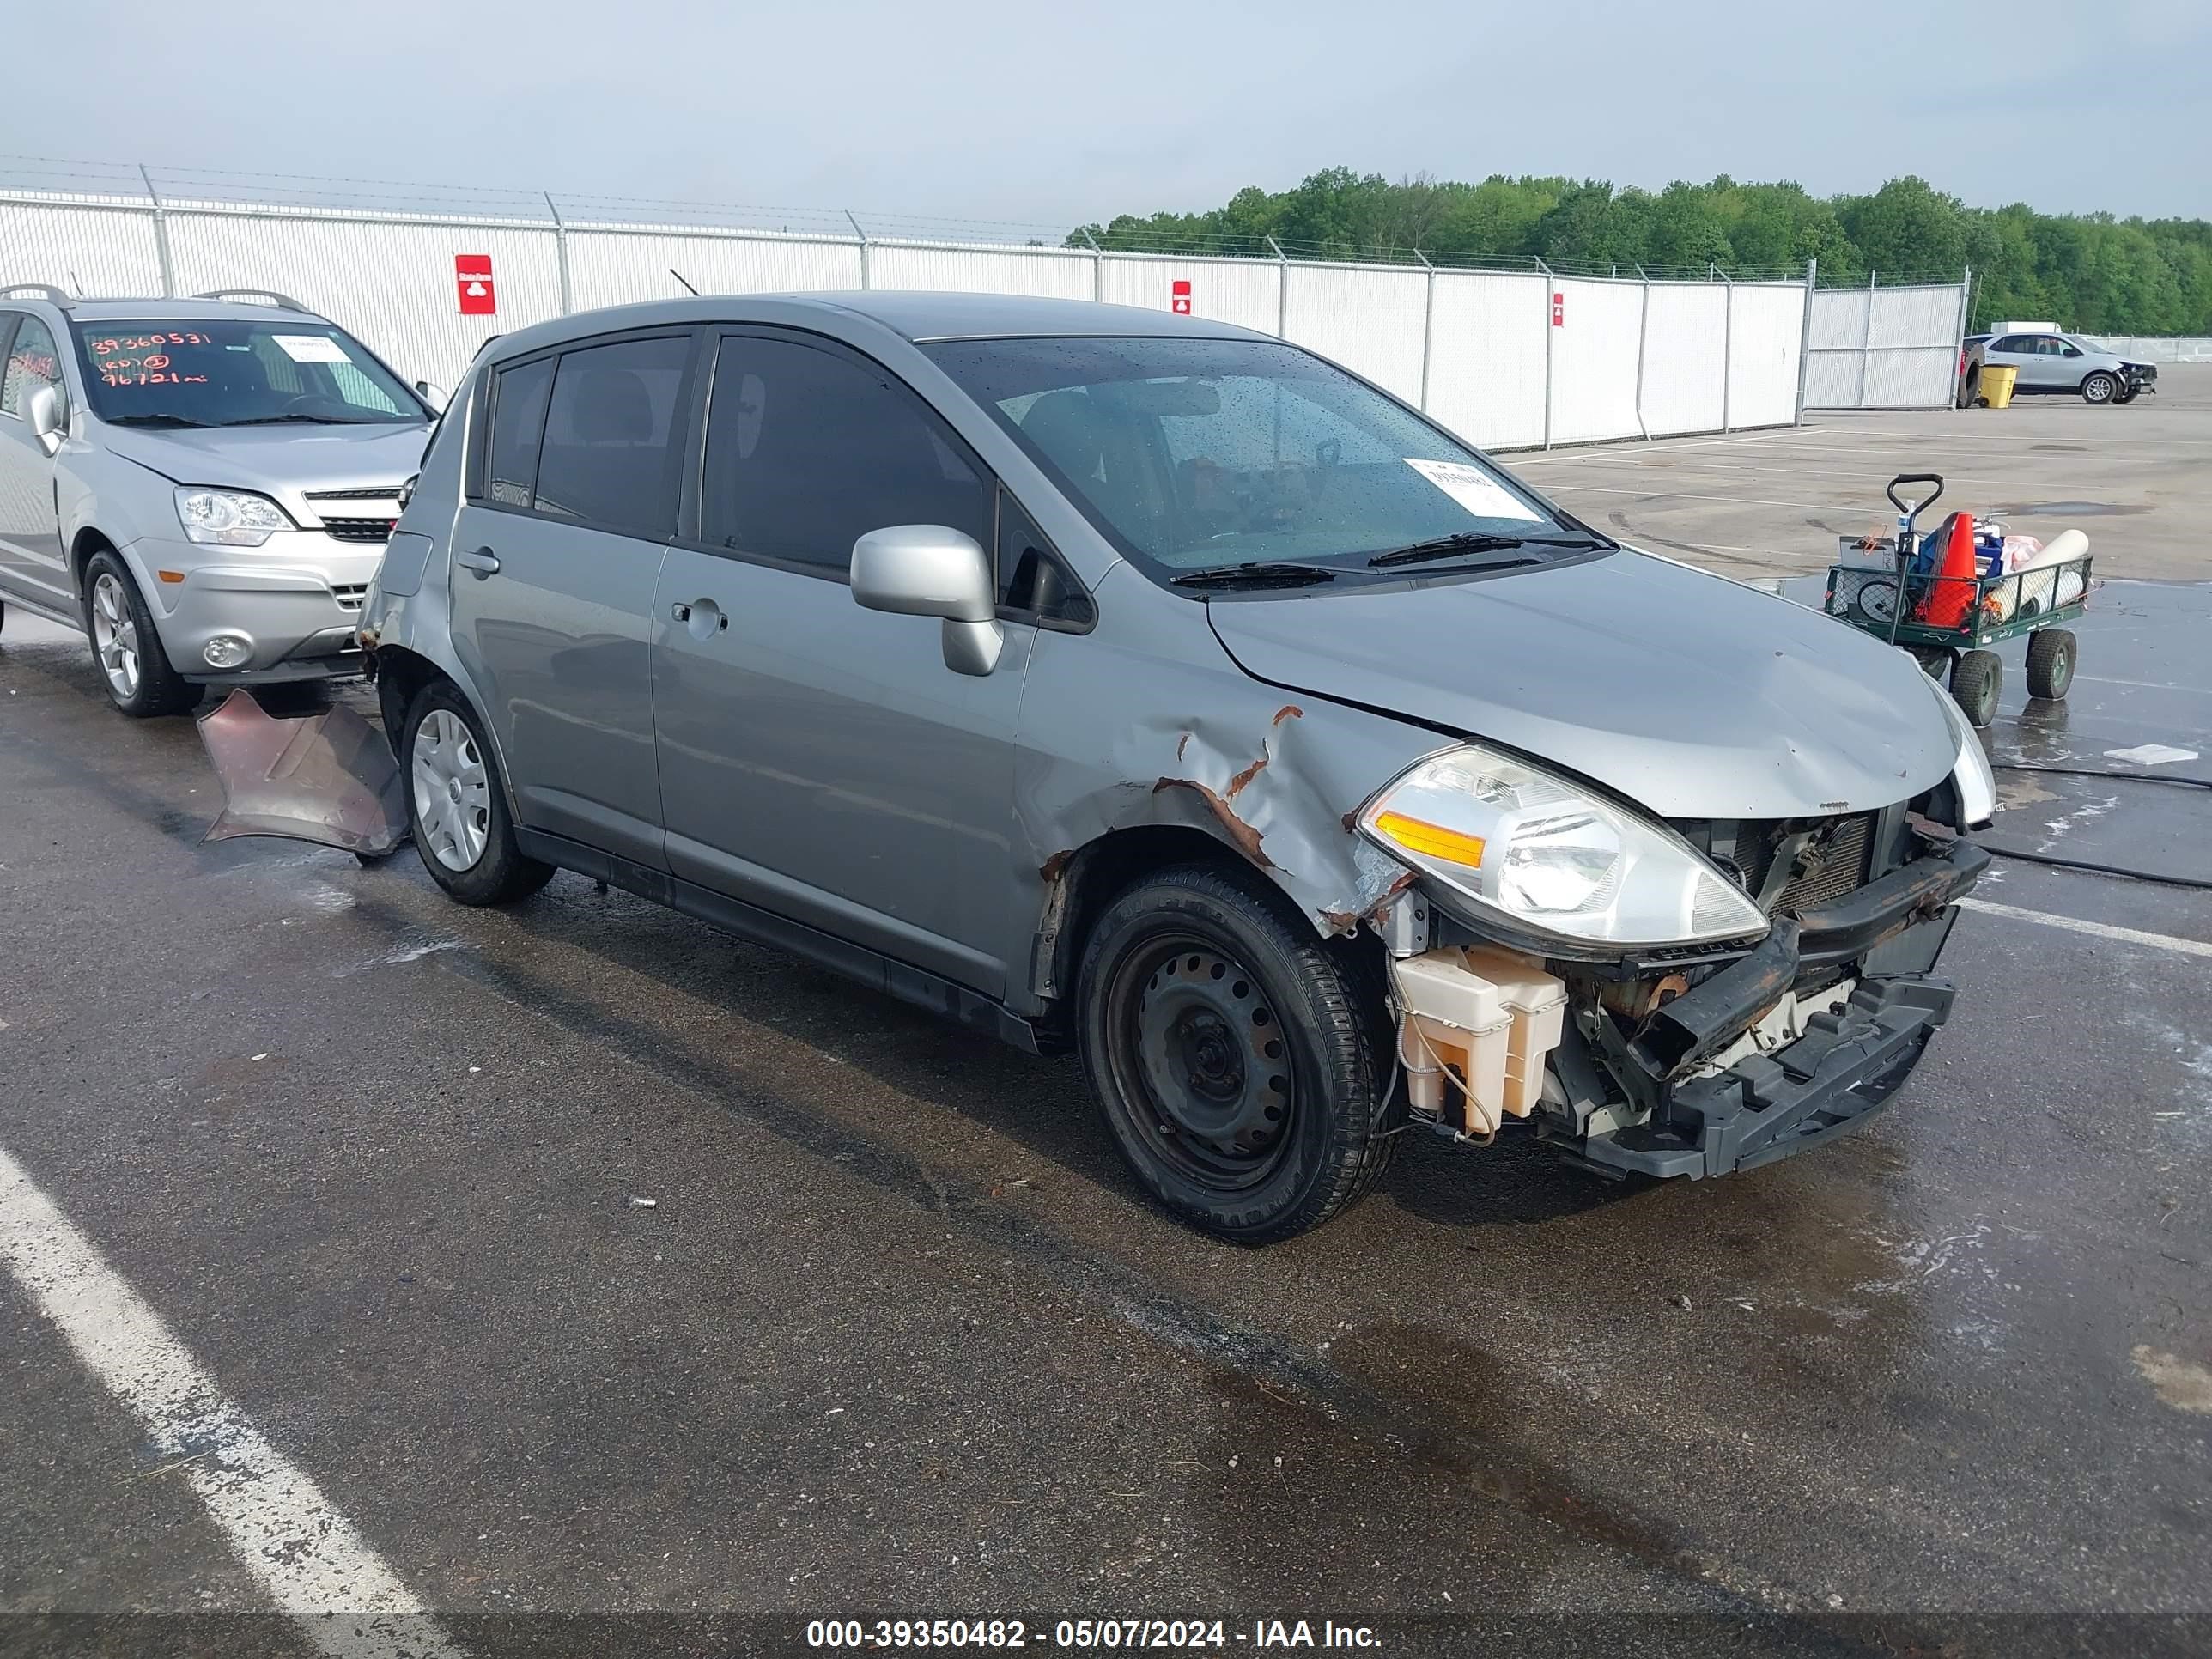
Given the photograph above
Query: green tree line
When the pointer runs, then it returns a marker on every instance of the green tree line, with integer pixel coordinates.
(2089, 272)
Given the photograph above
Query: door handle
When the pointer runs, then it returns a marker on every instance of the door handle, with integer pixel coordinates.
(706, 608)
(482, 562)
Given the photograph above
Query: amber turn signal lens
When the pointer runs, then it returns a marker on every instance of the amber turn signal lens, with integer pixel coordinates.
(1419, 836)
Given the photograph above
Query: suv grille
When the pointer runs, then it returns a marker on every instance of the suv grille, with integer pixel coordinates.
(358, 528)
(350, 595)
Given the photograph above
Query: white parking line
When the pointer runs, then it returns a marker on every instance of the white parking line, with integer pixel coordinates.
(306, 1555)
(2187, 947)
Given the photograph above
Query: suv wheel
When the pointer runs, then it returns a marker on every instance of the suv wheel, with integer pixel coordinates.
(2099, 388)
(1231, 1057)
(132, 664)
(456, 805)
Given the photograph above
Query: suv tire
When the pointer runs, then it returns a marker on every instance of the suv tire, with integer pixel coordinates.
(134, 668)
(2099, 387)
(457, 804)
(1231, 1055)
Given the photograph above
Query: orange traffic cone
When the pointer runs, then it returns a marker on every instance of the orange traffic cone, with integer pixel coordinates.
(1952, 596)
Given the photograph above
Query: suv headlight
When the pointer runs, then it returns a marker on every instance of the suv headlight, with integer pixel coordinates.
(1969, 774)
(1546, 856)
(229, 518)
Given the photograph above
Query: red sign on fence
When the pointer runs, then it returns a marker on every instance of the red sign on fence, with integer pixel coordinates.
(1558, 309)
(472, 278)
(1179, 297)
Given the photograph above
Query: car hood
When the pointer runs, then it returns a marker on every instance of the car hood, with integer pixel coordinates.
(285, 462)
(1690, 694)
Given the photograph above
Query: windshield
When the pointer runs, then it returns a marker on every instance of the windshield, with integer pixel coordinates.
(238, 372)
(1201, 454)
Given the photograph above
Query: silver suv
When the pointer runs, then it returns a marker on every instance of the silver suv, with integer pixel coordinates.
(1110, 680)
(2052, 363)
(203, 487)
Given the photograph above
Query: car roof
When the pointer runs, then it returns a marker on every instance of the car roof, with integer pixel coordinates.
(917, 316)
(925, 316)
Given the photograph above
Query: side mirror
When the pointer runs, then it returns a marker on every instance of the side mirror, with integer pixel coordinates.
(433, 394)
(932, 570)
(42, 413)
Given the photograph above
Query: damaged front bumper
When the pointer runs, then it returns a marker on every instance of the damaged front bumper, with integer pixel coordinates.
(1690, 1118)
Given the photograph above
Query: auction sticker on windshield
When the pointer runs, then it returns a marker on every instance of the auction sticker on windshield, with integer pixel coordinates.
(1474, 489)
(311, 348)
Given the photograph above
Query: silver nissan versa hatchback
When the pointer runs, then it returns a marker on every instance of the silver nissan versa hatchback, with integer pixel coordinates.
(1115, 680)
(202, 486)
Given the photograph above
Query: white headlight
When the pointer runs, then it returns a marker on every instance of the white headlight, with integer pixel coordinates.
(229, 518)
(1969, 774)
(1549, 857)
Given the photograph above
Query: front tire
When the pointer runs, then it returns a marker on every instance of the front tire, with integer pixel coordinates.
(457, 804)
(1232, 1057)
(2099, 388)
(133, 665)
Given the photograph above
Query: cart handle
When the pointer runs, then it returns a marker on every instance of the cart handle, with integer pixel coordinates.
(1913, 512)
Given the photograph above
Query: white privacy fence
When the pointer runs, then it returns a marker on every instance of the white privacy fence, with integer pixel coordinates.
(1885, 348)
(2142, 348)
(1510, 359)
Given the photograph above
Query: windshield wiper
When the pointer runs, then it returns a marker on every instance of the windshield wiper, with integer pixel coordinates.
(312, 420)
(1469, 541)
(1262, 573)
(153, 420)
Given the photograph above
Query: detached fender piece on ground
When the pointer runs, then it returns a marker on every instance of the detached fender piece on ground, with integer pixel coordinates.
(328, 778)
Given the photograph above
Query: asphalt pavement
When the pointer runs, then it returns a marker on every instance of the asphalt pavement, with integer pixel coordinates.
(896, 1338)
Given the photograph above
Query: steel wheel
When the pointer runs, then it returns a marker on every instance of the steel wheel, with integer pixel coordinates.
(1205, 1062)
(453, 792)
(115, 636)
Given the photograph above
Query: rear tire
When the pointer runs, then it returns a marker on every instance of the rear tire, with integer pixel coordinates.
(134, 668)
(1976, 683)
(2051, 657)
(2099, 388)
(1231, 1056)
(457, 804)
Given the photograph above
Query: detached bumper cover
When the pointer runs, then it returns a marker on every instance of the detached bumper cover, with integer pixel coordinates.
(328, 777)
(1846, 1066)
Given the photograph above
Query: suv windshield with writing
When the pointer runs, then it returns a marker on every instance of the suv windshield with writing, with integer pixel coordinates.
(230, 373)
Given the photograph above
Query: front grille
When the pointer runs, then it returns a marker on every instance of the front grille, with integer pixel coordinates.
(358, 530)
(350, 595)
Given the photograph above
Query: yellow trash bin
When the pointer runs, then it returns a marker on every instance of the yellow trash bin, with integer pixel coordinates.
(1998, 383)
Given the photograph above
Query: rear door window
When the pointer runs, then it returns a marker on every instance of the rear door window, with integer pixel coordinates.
(809, 449)
(517, 423)
(612, 450)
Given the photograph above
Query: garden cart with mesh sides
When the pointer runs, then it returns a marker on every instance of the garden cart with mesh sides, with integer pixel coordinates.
(1885, 586)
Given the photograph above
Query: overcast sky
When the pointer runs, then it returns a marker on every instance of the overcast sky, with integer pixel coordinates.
(1060, 113)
